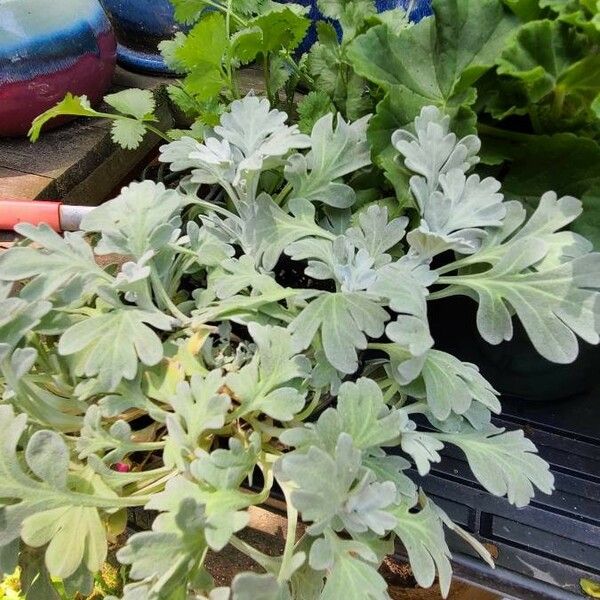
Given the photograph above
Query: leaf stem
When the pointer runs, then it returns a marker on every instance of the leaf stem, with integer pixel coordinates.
(150, 488)
(445, 293)
(161, 293)
(144, 446)
(228, 60)
(213, 206)
(283, 193)
(267, 75)
(314, 403)
(534, 117)
(226, 9)
(267, 470)
(157, 132)
(504, 134)
(290, 538)
(266, 562)
(558, 101)
(417, 407)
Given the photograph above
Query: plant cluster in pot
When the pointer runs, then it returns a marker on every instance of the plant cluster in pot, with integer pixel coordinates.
(539, 125)
(197, 362)
(538, 119)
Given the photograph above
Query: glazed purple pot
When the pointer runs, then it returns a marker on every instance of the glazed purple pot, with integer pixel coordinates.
(47, 50)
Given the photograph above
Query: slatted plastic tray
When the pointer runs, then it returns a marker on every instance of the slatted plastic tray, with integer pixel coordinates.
(555, 540)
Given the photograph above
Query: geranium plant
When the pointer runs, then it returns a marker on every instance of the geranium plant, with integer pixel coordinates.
(194, 351)
(522, 74)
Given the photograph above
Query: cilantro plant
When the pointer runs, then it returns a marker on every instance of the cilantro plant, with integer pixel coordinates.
(134, 115)
(225, 35)
(195, 350)
(220, 39)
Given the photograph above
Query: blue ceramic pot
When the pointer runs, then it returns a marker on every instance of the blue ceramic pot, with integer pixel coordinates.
(140, 26)
(418, 10)
(47, 51)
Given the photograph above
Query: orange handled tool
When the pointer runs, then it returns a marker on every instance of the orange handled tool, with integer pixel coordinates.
(61, 217)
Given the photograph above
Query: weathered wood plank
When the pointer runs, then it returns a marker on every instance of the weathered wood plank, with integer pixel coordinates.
(57, 152)
(79, 163)
(17, 185)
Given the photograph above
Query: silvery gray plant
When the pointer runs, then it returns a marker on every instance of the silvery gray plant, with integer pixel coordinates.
(191, 349)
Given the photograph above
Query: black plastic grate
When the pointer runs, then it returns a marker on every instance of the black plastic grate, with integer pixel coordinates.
(556, 539)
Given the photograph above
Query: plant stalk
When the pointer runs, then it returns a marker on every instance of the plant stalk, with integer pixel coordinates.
(290, 538)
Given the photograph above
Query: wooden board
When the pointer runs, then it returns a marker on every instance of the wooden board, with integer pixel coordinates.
(79, 163)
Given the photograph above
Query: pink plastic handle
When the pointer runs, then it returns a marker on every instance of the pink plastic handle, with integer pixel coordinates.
(35, 212)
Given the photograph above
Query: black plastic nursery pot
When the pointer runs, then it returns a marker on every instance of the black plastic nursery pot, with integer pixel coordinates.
(514, 368)
(543, 550)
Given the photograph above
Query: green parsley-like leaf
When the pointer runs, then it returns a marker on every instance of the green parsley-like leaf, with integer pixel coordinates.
(205, 44)
(315, 105)
(137, 103)
(70, 105)
(127, 133)
(187, 11)
(246, 44)
(281, 27)
(201, 54)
